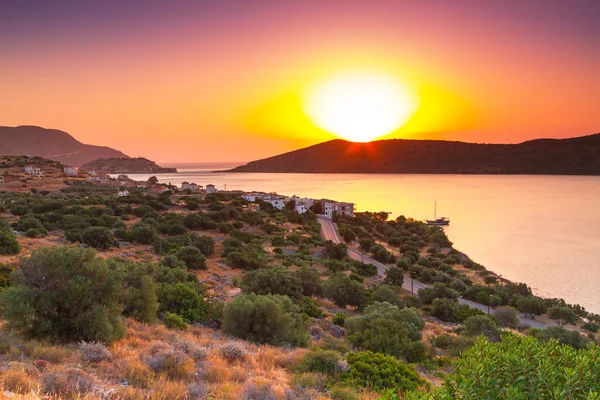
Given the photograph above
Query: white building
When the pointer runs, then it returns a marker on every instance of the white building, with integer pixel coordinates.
(278, 203)
(34, 171)
(210, 188)
(191, 186)
(252, 197)
(122, 193)
(92, 172)
(300, 208)
(333, 207)
(71, 171)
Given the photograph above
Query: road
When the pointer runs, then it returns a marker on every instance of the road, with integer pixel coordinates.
(329, 232)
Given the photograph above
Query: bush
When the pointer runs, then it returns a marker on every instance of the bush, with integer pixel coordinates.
(232, 352)
(436, 291)
(531, 306)
(65, 278)
(343, 393)
(94, 352)
(394, 276)
(481, 325)
(205, 244)
(277, 280)
(507, 317)
(521, 368)
(310, 280)
(386, 293)
(72, 383)
(98, 237)
(445, 309)
(253, 391)
(8, 243)
(343, 290)
(174, 364)
(383, 328)
(562, 315)
(182, 299)
(379, 372)
(564, 336)
(174, 321)
(192, 257)
(339, 318)
(310, 307)
(271, 319)
(321, 361)
(144, 234)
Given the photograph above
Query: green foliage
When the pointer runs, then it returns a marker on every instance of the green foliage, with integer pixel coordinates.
(394, 276)
(271, 319)
(144, 234)
(321, 361)
(336, 251)
(192, 257)
(8, 243)
(98, 237)
(174, 321)
(481, 325)
(206, 244)
(384, 328)
(183, 299)
(310, 280)
(437, 291)
(389, 294)
(521, 368)
(562, 315)
(378, 372)
(363, 269)
(445, 309)
(339, 318)
(276, 280)
(65, 293)
(343, 290)
(531, 306)
(310, 307)
(564, 336)
(506, 316)
(5, 272)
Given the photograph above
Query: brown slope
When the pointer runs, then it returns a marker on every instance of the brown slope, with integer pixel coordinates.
(50, 143)
(575, 156)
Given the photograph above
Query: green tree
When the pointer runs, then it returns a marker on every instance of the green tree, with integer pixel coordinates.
(507, 317)
(153, 180)
(98, 237)
(8, 243)
(562, 315)
(387, 293)
(531, 306)
(271, 319)
(378, 372)
(310, 279)
(383, 328)
(65, 293)
(192, 257)
(591, 328)
(276, 280)
(481, 325)
(365, 243)
(564, 336)
(182, 299)
(206, 244)
(349, 236)
(144, 234)
(437, 291)
(343, 290)
(394, 276)
(445, 309)
(320, 361)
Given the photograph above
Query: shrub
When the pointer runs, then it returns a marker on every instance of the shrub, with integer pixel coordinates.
(71, 383)
(310, 307)
(98, 237)
(387, 293)
(339, 318)
(378, 372)
(343, 290)
(232, 352)
(253, 391)
(271, 319)
(277, 280)
(174, 321)
(481, 325)
(321, 361)
(205, 244)
(562, 315)
(445, 309)
(521, 368)
(394, 276)
(94, 351)
(531, 306)
(8, 243)
(53, 354)
(507, 317)
(310, 280)
(65, 278)
(437, 290)
(383, 328)
(192, 257)
(173, 363)
(144, 234)
(564, 336)
(343, 393)
(182, 299)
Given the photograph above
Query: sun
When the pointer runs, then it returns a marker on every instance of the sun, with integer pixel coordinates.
(360, 106)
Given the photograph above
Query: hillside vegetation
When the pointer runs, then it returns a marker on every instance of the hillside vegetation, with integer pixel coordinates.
(576, 156)
(137, 165)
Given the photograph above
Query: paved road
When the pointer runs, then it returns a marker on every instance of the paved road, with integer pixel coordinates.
(329, 232)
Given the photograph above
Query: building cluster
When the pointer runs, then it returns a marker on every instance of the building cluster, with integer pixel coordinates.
(210, 188)
(34, 171)
(303, 204)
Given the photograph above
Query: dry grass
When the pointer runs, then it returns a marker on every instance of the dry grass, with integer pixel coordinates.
(18, 381)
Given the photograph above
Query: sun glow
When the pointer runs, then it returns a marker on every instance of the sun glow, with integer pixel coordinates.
(361, 106)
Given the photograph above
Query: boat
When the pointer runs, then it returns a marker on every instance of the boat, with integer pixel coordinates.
(437, 221)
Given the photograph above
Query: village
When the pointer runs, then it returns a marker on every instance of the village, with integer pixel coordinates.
(40, 171)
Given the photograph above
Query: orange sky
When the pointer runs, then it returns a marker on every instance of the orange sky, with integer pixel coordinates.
(223, 81)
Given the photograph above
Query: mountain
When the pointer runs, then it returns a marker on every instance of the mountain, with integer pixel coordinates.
(50, 143)
(138, 165)
(575, 156)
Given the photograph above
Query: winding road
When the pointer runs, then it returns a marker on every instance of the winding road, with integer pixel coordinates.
(329, 232)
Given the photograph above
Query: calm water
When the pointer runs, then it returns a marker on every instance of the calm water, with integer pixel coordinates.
(542, 230)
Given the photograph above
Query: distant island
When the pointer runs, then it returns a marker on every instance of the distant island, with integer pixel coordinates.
(574, 156)
(52, 144)
(137, 165)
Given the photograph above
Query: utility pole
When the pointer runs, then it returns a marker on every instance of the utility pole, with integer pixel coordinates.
(225, 187)
(412, 282)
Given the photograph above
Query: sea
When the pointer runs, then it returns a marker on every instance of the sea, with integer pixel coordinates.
(541, 230)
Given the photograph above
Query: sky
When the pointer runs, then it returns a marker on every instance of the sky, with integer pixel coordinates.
(226, 80)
